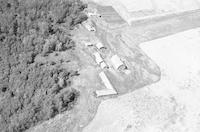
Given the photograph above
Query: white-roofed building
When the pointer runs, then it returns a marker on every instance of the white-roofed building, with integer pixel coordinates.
(92, 12)
(88, 43)
(103, 65)
(89, 26)
(100, 46)
(99, 60)
(118, 64)
(105, 92)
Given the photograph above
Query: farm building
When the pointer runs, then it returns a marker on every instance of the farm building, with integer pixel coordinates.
(99, 60)
(118, 64)
(89, 26)
(100, 46)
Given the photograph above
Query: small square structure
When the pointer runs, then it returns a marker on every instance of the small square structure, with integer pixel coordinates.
(100, 46)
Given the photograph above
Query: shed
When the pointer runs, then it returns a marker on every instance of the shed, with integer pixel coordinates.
(91, 12)
(105, 92)
(88, 43)
(117, 63)
(100, 45)
(104, 65)
(98, 58)
(89, 26)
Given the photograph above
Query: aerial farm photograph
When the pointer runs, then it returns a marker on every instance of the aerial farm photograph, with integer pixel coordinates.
(99, 65)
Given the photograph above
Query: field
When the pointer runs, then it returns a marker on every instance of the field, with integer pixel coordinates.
(109, 14)
(131, 10)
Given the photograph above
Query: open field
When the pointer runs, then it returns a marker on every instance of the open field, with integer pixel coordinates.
(150, 29)
(109, 14)
(131, 10)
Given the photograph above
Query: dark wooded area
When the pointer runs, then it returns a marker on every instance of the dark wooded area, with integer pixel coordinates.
(30, 92)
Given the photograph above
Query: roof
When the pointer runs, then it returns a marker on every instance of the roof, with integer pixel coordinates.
(116, 61)
(98, 58)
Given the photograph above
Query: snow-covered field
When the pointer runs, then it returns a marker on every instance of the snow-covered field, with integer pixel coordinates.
(131, 10)
(170, 105)
(135, 5)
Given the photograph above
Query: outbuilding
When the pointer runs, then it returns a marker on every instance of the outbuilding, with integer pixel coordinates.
(99, 60)
(100, 46)
(103, 65)
(118, 63)
(105, 92)
(92, 12)
(88, 43)
(89, 26)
